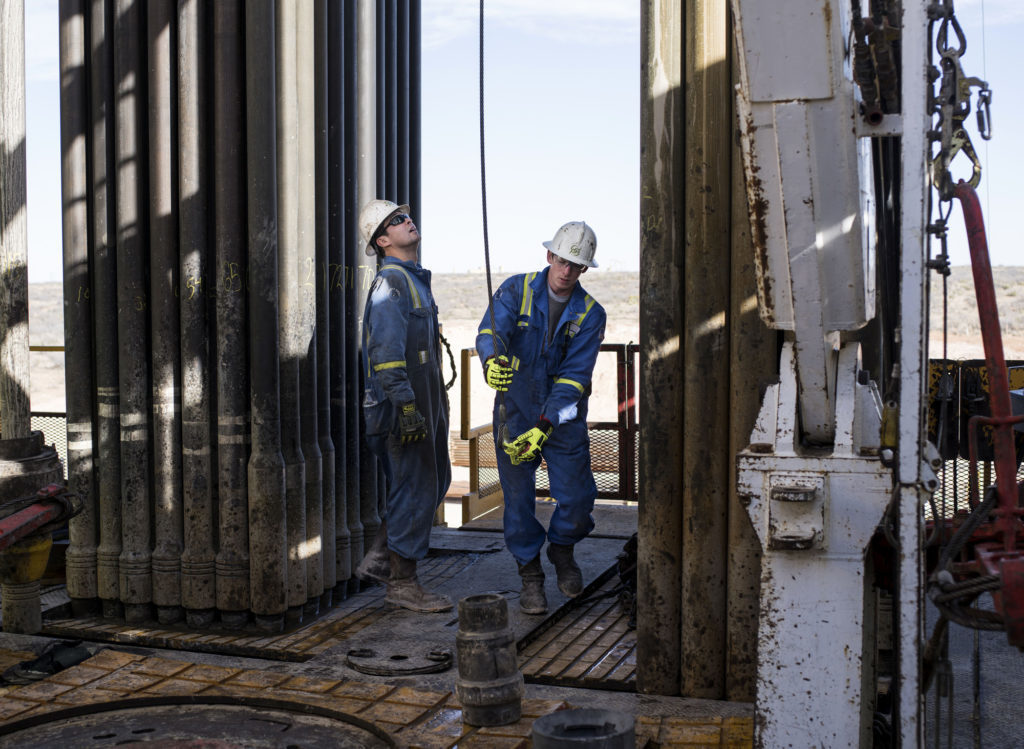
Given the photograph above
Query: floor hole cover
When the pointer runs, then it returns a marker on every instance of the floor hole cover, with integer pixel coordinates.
(193, 726)
(399, 662)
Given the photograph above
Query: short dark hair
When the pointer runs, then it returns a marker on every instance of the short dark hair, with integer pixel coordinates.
(377, 235)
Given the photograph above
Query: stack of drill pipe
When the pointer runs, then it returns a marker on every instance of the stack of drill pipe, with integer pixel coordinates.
(215, 159)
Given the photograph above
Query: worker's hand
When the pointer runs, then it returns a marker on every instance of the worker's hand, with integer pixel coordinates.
(527, 445)
(498, 373)
(412, 427)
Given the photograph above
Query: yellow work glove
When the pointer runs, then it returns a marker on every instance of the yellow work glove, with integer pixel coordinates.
(527, 445)
(498, 373)
(412, 427)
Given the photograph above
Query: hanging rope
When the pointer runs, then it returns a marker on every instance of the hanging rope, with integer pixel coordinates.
(503, 434)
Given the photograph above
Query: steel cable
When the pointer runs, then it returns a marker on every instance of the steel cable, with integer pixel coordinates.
(503, 435)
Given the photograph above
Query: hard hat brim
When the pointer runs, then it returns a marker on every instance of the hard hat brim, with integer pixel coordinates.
(371, 247)
(549, 246)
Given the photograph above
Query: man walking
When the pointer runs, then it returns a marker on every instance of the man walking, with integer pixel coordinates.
(405, 407)
(539, 347)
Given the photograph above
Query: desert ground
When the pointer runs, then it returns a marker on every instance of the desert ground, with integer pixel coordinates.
(462, 300)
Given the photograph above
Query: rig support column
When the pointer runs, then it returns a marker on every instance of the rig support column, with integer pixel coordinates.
(15, 420)
(659, 561)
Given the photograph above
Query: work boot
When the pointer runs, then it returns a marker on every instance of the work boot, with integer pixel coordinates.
(404, 588)
(532, 599)
(570, 579)
(375, 565)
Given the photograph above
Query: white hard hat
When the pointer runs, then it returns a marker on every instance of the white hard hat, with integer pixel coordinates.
(576, 242)
(372, 216)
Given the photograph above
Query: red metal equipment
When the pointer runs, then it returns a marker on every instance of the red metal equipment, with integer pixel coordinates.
(994, 561)
(50, 506)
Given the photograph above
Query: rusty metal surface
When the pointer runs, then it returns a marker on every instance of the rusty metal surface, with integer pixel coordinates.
(661, 325)
(706, 366)
(753, 352)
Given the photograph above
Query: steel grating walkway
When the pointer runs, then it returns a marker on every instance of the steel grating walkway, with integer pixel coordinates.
(587, 643)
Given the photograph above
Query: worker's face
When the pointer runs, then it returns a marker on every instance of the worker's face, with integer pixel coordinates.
(563, 274)
(400, 234)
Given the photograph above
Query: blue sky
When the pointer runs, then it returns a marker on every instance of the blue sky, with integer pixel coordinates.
(562, 125)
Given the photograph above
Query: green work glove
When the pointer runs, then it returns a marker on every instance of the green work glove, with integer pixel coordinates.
(527, 445)
(412, 427)
(498, 373)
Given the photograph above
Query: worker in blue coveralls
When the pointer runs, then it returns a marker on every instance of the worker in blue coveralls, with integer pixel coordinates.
(405, 406)
(538, 347)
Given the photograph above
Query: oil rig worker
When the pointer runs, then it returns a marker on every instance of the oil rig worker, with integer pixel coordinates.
(405, 406)
(539, 342)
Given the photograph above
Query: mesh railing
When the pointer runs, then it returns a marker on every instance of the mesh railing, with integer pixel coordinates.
(54, 428)
(614, 449)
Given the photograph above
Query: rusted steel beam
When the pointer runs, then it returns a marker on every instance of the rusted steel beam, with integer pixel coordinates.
(659, 558)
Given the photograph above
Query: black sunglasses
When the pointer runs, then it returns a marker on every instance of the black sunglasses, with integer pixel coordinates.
(398, 218)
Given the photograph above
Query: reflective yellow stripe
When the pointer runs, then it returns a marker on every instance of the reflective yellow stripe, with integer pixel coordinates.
(527, 306)
(486, 331)
(388, 365)
(515, 363)
(579, 318)
(564, 381)
(412, 286)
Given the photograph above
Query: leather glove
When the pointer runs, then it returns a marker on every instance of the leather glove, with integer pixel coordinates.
(527, 445)
(412, 427)
(498, 373)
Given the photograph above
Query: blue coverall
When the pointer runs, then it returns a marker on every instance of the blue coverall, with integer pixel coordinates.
(550, 379)
(401, 354)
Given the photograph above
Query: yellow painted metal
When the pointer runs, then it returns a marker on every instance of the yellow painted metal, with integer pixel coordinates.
(477, 501)
(25, 561)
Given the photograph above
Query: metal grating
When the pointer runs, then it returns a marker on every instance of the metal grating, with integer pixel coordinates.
(587, 643)
(954, 486)
(54, 428)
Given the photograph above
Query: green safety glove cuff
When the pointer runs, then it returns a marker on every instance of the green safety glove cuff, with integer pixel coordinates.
(412, 427)
(498, 373)
(527, 445)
